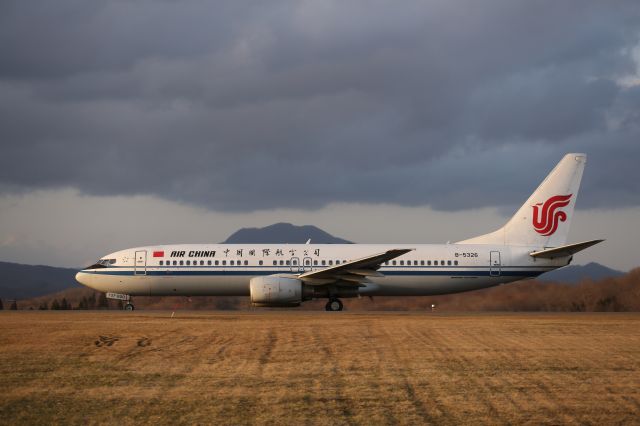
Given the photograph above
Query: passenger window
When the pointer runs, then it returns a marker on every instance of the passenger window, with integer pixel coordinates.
(161, 263)
(331, 262)
(209, 262)
(224, 262)
(260, 262)
(246, 262)
(231, 263)
(442, 262)
(181, 262)
(295, 262)
(275, 263)
(394, 263)
(188, 262)
(422, 263)
(315, 263)
(428, 263)
(217, 262)
(337, 262)
(449, 262)
(288, 262)
(324, 262)
(402, 263)
(175, 262)
(455, 262)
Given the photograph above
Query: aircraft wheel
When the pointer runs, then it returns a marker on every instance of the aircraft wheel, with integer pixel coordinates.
(334, 305)
(129, 307)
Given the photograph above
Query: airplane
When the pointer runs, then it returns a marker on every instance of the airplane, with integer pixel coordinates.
(532, 242)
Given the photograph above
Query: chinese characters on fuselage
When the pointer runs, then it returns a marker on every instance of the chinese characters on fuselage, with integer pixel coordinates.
(244, 253)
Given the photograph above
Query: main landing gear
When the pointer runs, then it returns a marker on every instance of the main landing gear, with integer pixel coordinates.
(334, 304)
(129, 307)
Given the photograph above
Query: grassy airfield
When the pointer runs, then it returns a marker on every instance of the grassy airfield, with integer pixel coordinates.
(269, 367)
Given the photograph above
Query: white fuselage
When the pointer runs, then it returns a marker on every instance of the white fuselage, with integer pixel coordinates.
(226, 269)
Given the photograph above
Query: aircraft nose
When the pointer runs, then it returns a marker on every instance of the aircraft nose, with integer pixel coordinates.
(81, 278)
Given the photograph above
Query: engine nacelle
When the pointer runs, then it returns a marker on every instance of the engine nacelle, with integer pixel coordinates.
(278, 291)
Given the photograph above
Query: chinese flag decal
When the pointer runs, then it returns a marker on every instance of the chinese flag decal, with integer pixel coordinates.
(158, 254)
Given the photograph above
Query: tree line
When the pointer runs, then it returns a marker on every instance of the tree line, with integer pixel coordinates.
(12, 307)
(87, 302)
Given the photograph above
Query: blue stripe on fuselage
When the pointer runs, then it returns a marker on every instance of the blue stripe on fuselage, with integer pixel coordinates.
(259, 272)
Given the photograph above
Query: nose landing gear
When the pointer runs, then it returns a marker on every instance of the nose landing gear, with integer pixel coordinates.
(334, 304)
(122, 298)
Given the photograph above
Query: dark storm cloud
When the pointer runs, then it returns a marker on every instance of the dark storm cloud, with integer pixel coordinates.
(297, 104)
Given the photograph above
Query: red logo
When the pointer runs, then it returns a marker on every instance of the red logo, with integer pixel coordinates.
(158, 253)
(546, 220)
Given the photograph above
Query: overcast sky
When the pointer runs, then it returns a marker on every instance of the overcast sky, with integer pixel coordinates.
(132, 122)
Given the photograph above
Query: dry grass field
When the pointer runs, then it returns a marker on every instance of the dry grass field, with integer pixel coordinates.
(318, 368)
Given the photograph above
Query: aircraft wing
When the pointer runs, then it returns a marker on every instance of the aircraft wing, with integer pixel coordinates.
(564, 251)
(354, 272)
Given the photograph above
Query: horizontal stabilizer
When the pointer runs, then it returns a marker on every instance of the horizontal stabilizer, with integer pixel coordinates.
(564, 251)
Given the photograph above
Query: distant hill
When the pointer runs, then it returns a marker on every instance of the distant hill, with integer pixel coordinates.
(575, 273)
(19, 281)
(283, 233)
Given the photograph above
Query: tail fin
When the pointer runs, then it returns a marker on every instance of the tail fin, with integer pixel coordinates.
(544, 220)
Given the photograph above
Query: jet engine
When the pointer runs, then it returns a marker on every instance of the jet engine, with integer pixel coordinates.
(278, 291)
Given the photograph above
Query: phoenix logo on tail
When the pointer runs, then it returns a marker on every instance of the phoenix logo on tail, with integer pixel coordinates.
(546, 220)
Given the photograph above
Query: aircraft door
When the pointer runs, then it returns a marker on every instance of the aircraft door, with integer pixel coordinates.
(494, 264)
(140, 267)
(295, 265)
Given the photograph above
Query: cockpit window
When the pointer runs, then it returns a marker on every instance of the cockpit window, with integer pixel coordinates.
(102, 263)
(96, 266)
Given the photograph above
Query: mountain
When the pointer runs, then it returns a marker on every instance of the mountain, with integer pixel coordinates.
(576, 273)
(19, 281)
(283, 233)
